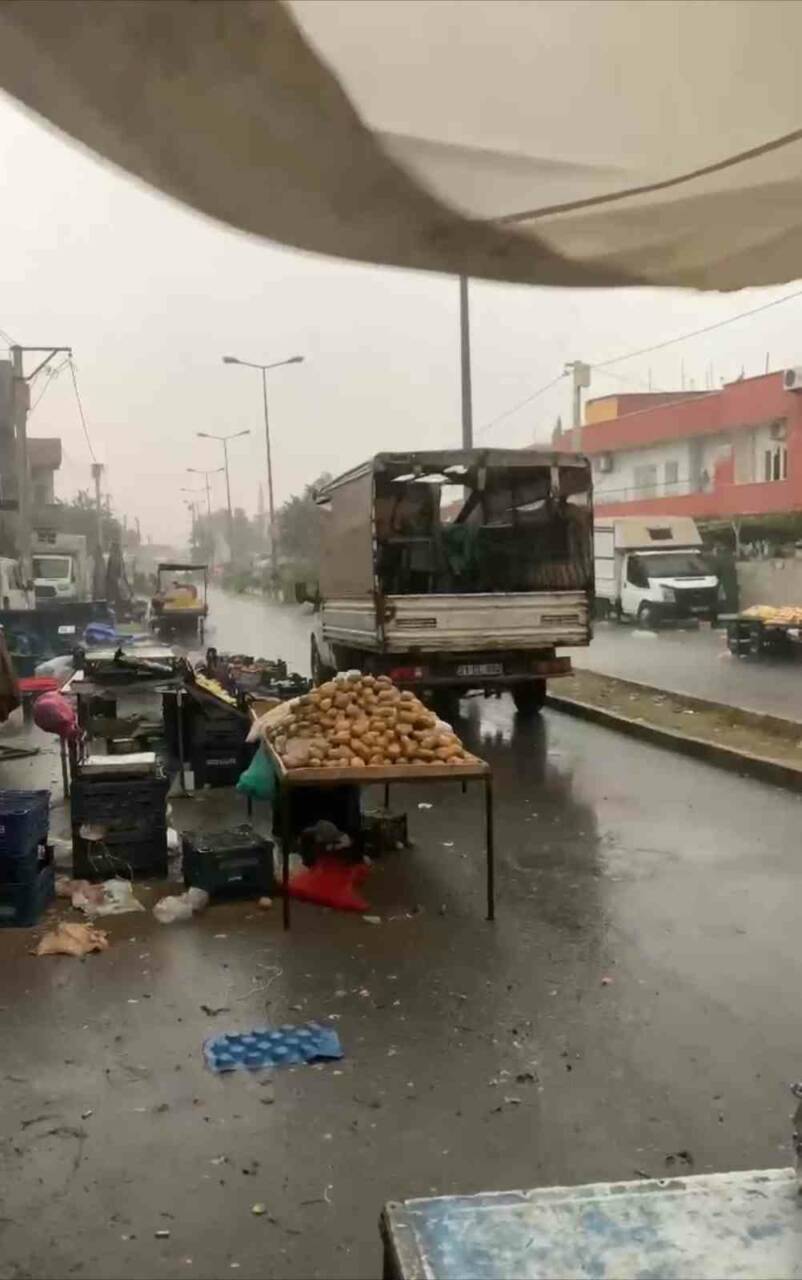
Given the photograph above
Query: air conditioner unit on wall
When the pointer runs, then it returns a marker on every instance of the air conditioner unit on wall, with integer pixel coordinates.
(792, 379)
(778, 429)
(606, 462)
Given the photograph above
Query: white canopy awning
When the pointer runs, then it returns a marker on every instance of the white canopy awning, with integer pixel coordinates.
(566, 142)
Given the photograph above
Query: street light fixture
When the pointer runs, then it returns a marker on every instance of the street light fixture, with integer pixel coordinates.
(263, 369)
(208, 435)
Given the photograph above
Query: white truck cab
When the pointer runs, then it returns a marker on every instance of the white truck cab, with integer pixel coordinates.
(653, 569)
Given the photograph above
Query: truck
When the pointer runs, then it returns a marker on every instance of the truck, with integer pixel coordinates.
(456, 570)
(652, 569)
(62, 568)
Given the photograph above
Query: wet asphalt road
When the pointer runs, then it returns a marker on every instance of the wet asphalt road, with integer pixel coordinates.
(695, 662)
(477, 1056)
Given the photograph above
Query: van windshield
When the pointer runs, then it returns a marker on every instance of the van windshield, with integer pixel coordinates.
(676, 564)
(51, 567)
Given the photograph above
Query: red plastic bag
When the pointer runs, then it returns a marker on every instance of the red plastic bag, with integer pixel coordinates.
(331, 883)
(53, 713)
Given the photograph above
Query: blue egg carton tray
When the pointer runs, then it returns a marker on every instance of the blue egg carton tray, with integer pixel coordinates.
(285, 1046)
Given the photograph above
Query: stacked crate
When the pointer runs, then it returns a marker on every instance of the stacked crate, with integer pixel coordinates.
(119, 826)
(218, 752)
(27, 872)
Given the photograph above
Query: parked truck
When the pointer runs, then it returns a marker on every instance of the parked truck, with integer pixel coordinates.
(652, 569)
(62, 570)
(474, 593)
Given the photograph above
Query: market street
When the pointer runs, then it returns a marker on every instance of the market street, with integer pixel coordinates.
(632, 1010)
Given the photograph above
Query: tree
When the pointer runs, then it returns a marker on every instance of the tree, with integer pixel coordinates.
(299, 532)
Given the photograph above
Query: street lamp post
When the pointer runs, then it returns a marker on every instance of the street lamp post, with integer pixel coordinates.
(207, 435)
(263, 369)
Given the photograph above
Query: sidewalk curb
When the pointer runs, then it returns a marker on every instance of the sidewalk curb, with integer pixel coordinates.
(764, 768)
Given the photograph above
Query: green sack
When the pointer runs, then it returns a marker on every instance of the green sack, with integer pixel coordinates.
(259, 779)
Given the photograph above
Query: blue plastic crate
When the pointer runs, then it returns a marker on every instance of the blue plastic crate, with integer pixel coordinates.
(24, 821)
(23, 902)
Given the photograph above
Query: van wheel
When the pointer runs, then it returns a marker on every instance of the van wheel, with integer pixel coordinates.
(647, 617)
(529, 698)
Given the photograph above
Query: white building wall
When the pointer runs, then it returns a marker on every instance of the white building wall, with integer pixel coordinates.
(661, 471)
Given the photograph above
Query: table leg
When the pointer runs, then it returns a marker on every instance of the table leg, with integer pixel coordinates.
(249, 806)
(490, 850)
(387, 795)
(179, 698)
(284, 800)
(65, 777)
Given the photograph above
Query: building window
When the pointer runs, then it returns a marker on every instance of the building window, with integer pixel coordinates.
(671, 476)
(775, 463)
(645, 480)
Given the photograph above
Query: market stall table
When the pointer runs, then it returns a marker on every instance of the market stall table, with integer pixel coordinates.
(745, 1224)
(290, 779)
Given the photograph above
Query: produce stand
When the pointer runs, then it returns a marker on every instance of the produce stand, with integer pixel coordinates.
(289, 779)
(777, 632)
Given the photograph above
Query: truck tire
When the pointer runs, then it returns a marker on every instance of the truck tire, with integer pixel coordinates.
(529, 698)
(647, 617)
(320, 672)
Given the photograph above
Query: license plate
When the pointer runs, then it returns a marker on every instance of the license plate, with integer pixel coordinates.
(481, 669)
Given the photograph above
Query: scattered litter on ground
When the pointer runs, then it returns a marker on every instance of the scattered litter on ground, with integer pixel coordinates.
(173, 840)
(526, 1077)
(683, 1157)
(424, 805)
(70, 939)
(162, 1234)
(219, 1160)
(272, 1047)
(372, 919)
(448, 844)
(211, 1011)
(86, 1114)
(258, 1210)
(331, 883)
(182, 907)
(264, 904)
(606, 982)
(111, 898)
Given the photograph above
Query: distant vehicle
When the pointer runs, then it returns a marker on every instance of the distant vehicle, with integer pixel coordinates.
(179, 606)
(61, 568)
(457, 570)
(14, 593)
(653, 568)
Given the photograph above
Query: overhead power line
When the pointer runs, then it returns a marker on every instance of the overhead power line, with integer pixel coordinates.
(81, 408)
(695, 333)
(644, 351)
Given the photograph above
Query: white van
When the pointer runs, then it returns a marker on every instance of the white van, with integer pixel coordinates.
(652, 569)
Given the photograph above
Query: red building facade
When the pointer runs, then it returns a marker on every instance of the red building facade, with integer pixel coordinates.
(714, 455)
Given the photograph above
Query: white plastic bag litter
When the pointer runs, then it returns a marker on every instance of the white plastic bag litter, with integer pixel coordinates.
(172, 908)
(112, 898)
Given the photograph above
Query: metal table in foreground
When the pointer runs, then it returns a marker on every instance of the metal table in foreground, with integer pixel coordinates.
(291, 779)
(744, 1225)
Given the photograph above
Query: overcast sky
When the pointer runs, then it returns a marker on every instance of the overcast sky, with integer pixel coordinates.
(150, 296)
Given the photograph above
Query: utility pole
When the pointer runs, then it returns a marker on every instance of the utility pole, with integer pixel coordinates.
(465, 363)
(21, 406)
(97, 472)
(580, 379)
(206, 435)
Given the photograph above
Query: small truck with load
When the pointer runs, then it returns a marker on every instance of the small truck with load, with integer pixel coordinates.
(652, 569)
(457, 570)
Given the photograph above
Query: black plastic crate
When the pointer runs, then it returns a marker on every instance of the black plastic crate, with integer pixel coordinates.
(21, 867)
(23, 902)
(233, 863)
(219, 764)
(98, 799)
(383, 831)
(119, 854)
(24, 821)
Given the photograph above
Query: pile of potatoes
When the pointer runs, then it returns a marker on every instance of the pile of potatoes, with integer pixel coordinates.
(355, 720)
